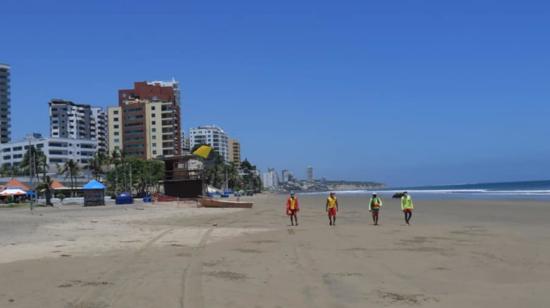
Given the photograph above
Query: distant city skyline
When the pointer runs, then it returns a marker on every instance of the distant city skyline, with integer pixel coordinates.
(400, 93)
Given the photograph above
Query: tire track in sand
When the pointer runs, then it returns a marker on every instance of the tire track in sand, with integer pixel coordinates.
(92, 295)
(191, 294)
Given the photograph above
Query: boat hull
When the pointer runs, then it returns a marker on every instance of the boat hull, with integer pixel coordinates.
(207, 202)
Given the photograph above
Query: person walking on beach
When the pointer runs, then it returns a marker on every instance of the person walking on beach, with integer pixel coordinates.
(292, 208)
(374, 207)
(332, 208)
(407, 207)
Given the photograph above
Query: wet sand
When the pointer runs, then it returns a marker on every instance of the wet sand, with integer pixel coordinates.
(455, 254)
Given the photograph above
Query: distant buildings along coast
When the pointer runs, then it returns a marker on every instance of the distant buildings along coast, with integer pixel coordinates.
(287, 182)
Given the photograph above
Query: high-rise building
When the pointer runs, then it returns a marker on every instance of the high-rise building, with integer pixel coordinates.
(270, 179)
(99, 125)
(151, 120)
(309, 172)
(114, 119)
(234, 151)
(5, 104)
(78, 121)
(213, 136)
(286, 176)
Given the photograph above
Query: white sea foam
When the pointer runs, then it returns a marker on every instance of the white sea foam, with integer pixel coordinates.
(446, 192)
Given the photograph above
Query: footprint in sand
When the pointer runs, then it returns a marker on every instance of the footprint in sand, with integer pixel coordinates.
(227, 275)
(248, 250)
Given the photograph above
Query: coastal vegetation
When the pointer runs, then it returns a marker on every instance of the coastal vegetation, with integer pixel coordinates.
(237, 177)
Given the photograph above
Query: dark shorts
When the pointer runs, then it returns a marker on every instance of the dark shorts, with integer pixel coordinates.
(375, 211)
(407, 210)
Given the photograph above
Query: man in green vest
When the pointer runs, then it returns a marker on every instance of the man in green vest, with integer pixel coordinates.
(374, 207)
(407, 207)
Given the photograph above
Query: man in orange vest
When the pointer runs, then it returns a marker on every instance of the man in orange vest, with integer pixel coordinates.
(292, 208)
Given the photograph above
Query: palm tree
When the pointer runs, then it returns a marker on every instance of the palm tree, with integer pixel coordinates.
(46, 185)
(115, 159)
(33, 162)
(96, 165)
(71, 170)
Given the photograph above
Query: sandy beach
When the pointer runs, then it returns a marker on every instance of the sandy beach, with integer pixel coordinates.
(455, 254)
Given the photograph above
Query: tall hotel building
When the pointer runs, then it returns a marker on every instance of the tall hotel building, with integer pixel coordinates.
(5, 113)
(234, 149)
(149, 122)
(212, 135)
(78, 121)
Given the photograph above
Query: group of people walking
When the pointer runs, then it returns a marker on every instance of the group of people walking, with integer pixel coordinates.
(331, 206)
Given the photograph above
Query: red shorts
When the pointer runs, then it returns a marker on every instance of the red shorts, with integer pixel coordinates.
(290, 212)
(332, 212)
(407, 210)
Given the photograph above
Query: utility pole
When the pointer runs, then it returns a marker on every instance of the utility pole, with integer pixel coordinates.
(31, 168)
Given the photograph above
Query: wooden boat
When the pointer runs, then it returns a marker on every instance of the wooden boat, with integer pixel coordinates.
(209, 202)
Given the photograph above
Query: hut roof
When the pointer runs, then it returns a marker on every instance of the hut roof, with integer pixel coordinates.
(14, 183)
(57, 185)
(93, 184)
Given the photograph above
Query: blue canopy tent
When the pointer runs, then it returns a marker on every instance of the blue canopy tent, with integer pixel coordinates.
(94, 193)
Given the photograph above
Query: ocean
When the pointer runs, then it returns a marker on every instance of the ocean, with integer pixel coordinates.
(525, 190)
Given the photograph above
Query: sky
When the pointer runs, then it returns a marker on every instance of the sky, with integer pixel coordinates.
(401, 92)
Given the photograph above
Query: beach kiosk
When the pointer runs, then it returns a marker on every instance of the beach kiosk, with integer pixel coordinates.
(94, 193)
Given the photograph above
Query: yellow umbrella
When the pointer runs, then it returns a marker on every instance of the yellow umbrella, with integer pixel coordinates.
(203, 151)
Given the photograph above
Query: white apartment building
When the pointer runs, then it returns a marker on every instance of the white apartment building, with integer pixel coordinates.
(270, 179)
(213, 136)
(98, 128)
(114, 129)
(57, 150)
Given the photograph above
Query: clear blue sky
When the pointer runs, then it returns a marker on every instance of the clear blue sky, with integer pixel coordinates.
(404, 92)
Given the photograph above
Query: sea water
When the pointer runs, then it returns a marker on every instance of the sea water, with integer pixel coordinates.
(531, 190)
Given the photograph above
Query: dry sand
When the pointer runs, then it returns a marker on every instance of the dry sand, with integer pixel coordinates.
(456, 254)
